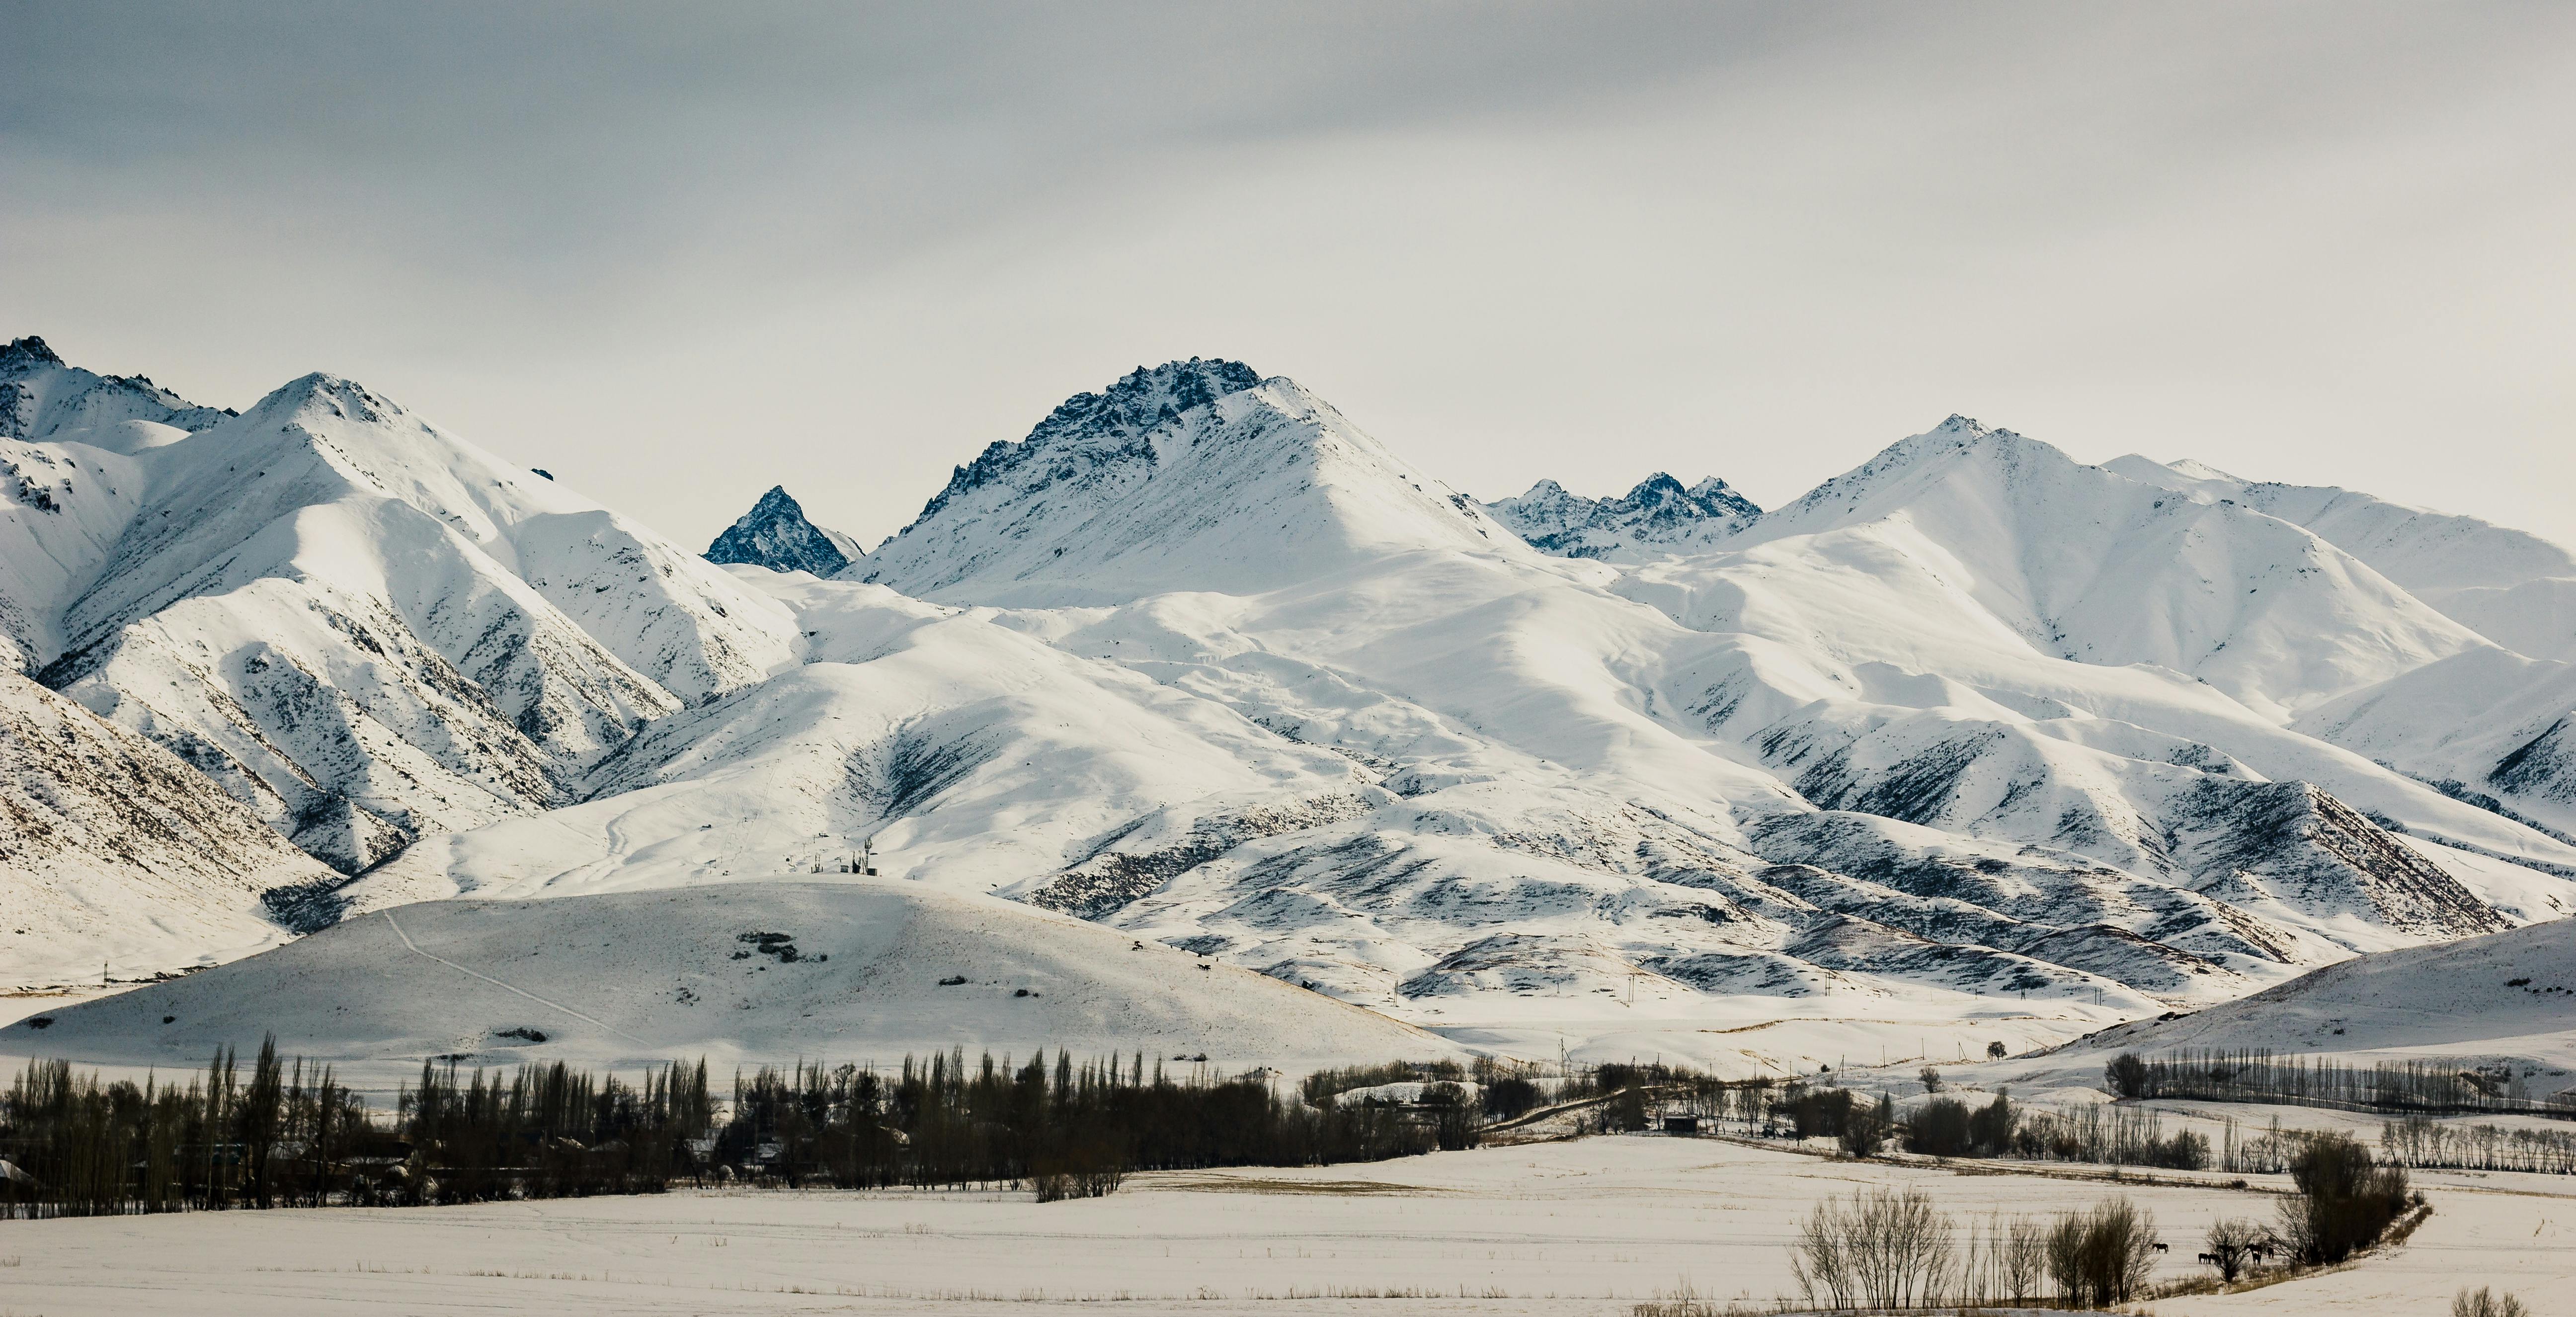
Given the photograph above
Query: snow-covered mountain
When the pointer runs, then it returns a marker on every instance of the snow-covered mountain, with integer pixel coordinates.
(1195, 475)
(2488, 724)
(41, 397)
(2513, 587)
(364, 628)
(1501, 792)
(2083, 563)
(1658, 516)
(776, 535)
(1974, 738)
(116, 857)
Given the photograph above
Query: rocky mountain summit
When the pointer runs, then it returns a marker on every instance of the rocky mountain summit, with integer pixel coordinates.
(42, 398)
(776, 534)
(1192, 475)
(1659, 515)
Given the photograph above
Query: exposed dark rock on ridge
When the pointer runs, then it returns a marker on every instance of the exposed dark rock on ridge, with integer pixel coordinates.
(777, 535)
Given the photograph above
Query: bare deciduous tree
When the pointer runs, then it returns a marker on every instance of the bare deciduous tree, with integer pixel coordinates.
(2102, 1257)
(2024, 1256)
(1885, 1249)
(2231, 1244)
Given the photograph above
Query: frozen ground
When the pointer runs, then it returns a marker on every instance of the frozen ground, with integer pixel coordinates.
(1565, 1228)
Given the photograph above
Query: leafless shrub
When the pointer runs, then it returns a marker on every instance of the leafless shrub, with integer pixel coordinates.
(2482, 1302)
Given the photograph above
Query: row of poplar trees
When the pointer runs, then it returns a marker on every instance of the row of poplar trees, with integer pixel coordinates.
(292, 1135)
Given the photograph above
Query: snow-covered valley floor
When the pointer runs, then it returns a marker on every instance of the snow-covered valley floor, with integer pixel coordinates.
(1587, 1226)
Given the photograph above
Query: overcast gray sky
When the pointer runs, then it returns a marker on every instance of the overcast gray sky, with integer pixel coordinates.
(677, 254)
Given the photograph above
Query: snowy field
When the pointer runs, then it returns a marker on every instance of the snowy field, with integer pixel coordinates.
(1580, 1227)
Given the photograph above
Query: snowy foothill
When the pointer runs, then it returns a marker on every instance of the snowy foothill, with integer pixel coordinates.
(844, 969)
(2505, 1003)
(1589, 1226)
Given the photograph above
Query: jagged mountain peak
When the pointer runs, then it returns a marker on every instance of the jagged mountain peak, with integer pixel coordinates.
(777, 535)
(28, 353)
(1914, 461)
(1128, 492)
(1095, 436)
(1146, 397)
(1659, 514)
(44, 398)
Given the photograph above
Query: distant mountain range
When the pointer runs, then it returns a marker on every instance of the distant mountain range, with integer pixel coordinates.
(1658, 516)
(1971, 731)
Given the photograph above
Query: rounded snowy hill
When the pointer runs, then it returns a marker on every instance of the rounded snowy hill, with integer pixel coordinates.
(850, 969)
(2509, 997)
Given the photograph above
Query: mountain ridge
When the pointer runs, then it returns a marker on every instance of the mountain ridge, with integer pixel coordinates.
(1973, 732)
(1657, 515)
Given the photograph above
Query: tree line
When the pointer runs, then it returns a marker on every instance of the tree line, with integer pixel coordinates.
(289, 1134)
(2429, 1087)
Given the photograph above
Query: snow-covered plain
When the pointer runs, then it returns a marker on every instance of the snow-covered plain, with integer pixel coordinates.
(1587, 1227)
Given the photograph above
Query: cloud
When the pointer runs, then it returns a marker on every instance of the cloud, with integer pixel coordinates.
(846, 246)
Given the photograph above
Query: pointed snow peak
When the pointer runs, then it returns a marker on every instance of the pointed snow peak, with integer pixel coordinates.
(776, 534)
(1914, 462)
(323, 392)
(1542, 489)
(1958, 435)
(29, 353)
